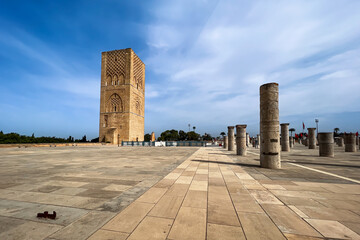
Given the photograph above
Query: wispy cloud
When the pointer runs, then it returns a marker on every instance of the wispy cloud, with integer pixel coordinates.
(310, 48)
(205, 61)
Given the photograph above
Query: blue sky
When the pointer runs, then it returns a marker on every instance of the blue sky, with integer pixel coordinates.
(205, 61)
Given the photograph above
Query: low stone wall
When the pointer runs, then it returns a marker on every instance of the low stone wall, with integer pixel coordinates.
(26, 145)
(165, 143)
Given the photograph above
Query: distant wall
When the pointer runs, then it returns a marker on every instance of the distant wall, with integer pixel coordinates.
(26, 145)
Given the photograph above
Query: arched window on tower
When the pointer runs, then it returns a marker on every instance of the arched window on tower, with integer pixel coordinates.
(105, 121)
(121, 79)
(108, 80)
(114, 103)
(115, 80)
(138, 107)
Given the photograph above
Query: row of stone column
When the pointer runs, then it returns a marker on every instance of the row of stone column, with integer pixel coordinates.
(350, 140)
(269, 138)
(326, 143)
(288, 142)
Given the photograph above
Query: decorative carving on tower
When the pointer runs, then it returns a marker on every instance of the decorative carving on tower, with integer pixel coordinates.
(122, 97)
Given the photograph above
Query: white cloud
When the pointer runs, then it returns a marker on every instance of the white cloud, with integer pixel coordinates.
(217, 65)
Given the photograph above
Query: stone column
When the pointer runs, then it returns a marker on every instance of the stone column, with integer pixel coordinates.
(306, 142)
(341, 142)
(241, 140)
(269, 126)
(326, 144)
(291, 141)
(231, 138)
(311, 138)
(350, 142)
(225, 141)
(247, 140)
(285, 146)
(357, 140)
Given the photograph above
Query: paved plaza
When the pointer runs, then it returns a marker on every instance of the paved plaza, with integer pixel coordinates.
(86, 186)
(177, 193)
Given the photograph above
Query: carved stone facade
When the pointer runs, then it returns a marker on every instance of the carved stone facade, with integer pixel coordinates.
(122, 97)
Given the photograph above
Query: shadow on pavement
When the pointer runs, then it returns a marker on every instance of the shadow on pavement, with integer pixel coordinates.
(228, 163)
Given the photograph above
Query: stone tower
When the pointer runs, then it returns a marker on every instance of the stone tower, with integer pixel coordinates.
(122, 97)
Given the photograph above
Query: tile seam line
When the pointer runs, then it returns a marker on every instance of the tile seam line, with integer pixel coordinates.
(323, 172)
(207, 198)
(182, 202)
(327, 173)
(232, 202)
(64, 206)
(167, 236)
(266, 213)
(30, 220)
(260, 205)
(303, 219)
(138, 198)
(49, 236)
(159, 200)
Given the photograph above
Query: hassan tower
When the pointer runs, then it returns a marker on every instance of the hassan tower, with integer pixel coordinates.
(122, 97)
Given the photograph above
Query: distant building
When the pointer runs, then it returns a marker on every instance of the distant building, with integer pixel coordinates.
(122, 97)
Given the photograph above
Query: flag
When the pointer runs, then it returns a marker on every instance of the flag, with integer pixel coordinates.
(357, 134)
(303, 125)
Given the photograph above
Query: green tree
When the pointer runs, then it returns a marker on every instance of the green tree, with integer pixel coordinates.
(207, 137)
(17, 138)
(170, 135)
(147, 137)
(291, 130)
(222, 134)
(336, 130)
(193, 136)
(182, 135)
(194, 128)
(83, 139)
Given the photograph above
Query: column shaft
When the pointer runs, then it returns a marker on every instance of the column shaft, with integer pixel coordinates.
(231, 138)
(225, 141)
(241, 140)
(285, 146)
(326, 144)
(311, 138)
(269, 126)
(350, 142)
(291, 141)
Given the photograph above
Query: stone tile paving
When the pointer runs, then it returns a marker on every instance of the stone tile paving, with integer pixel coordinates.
(215, 194)
(86, 186)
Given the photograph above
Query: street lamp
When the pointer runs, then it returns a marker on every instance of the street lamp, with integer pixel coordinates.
(317, 126)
